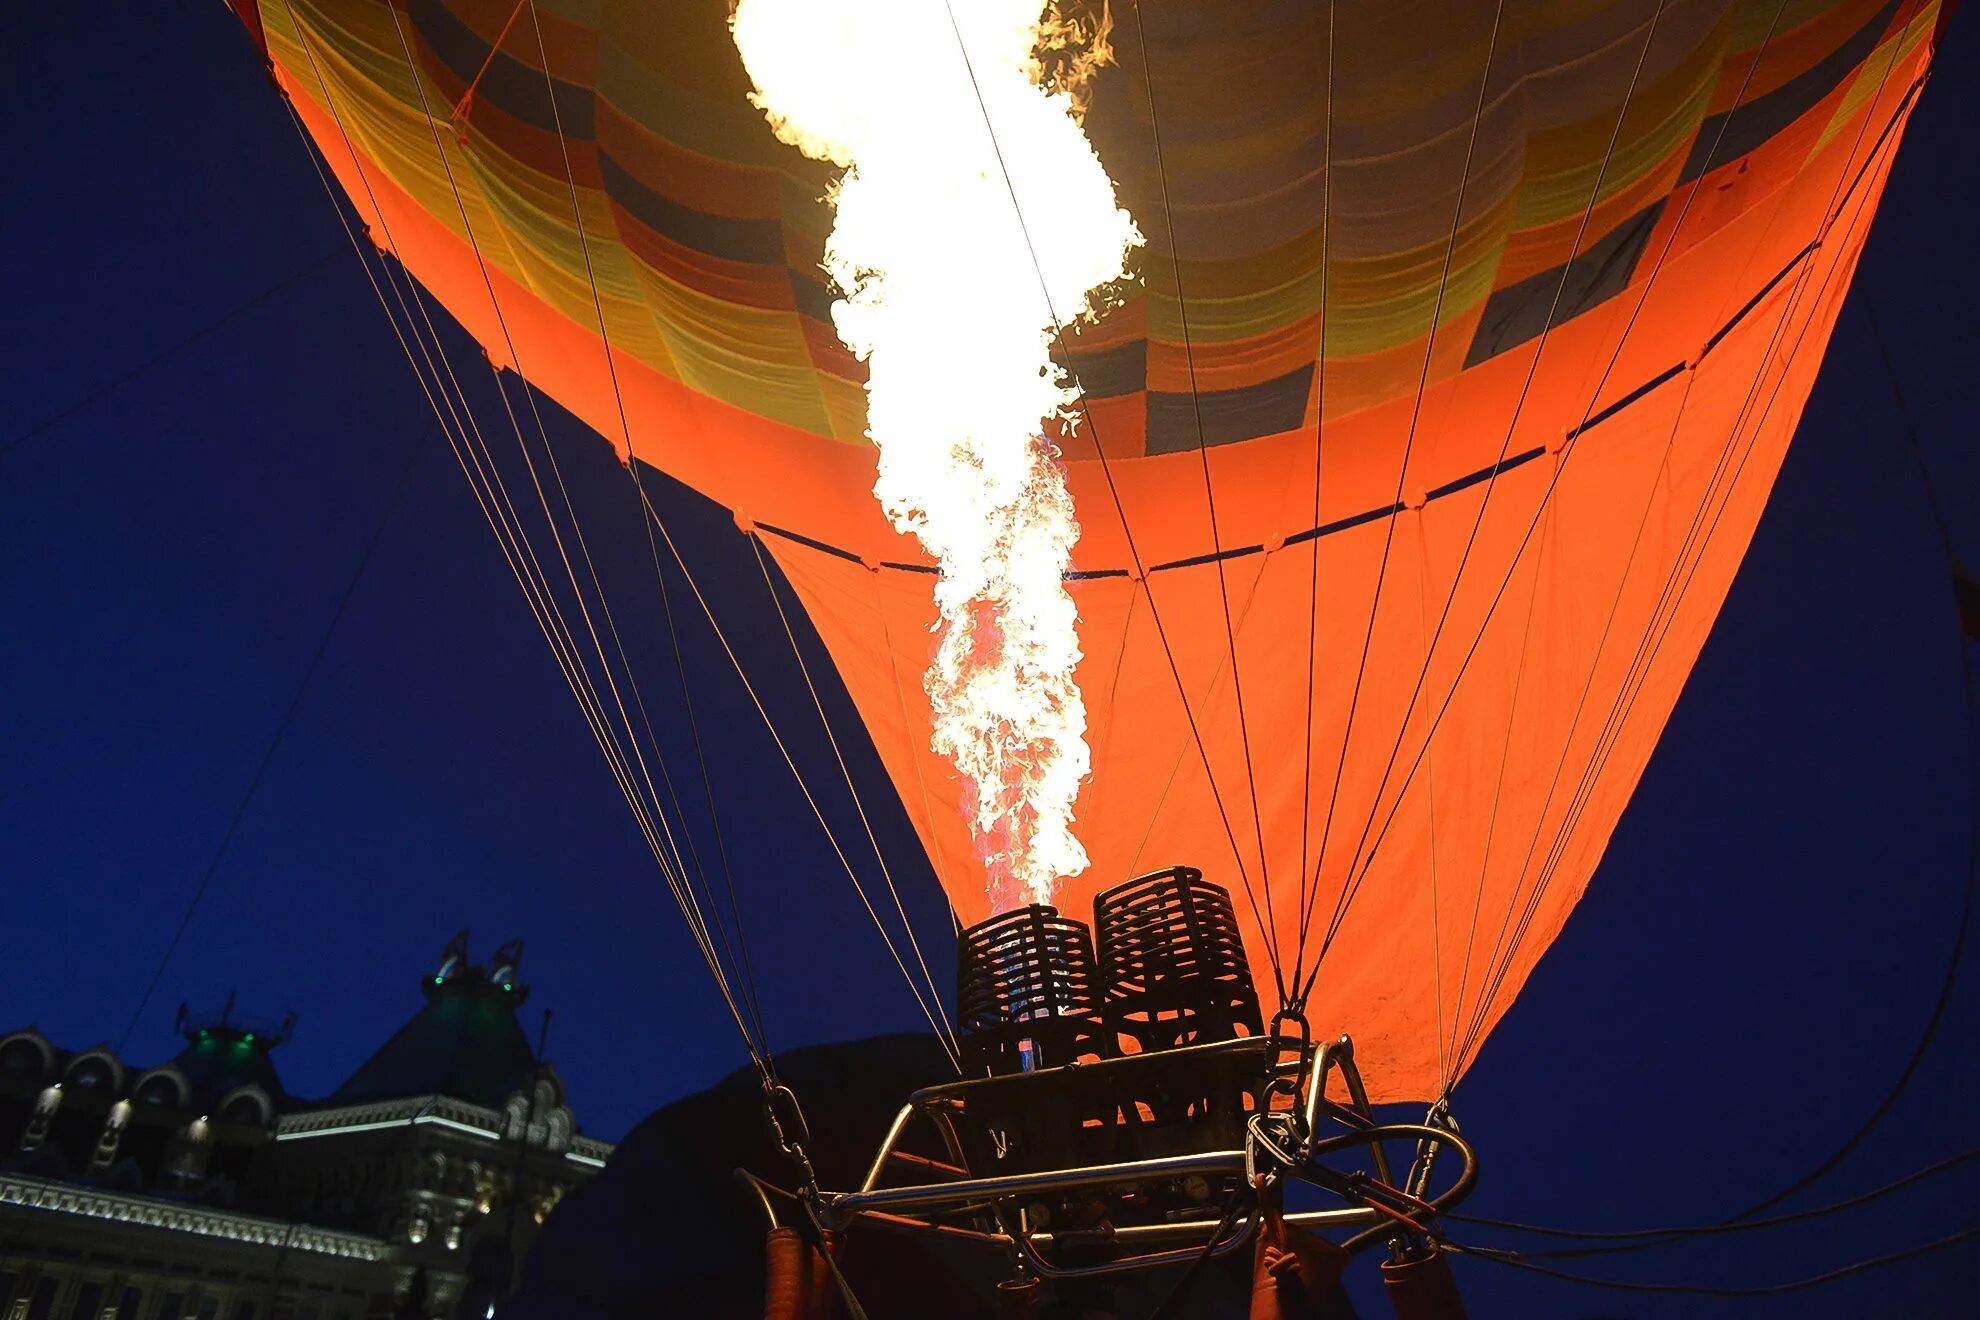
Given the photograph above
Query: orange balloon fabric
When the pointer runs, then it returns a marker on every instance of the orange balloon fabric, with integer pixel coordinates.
(1482, 341)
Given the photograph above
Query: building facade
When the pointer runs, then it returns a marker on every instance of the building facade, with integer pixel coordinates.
(199, 1189)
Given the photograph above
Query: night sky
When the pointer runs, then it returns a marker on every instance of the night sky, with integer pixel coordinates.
(207, 432)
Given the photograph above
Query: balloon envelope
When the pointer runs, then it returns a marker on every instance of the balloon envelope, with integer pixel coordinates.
(1466, 347)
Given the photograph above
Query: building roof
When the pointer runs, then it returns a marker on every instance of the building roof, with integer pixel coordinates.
(464, 1041)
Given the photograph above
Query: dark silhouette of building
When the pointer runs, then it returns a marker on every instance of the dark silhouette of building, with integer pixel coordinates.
(199, 1189)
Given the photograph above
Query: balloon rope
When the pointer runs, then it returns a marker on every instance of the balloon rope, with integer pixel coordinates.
(1647, 650)
(804, 786)
(1546, 496)
(938, 1020)
(570, 510)
(1209, 493)
(1352, 884)
(1402, 475)
(1499, 465)
(1711, 154)
(1140, 572)
(275, 740)
(825, 723)
(739, 958)
(491, 497)
(1319, 423)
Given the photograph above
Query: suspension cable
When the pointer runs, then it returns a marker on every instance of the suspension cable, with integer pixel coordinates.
(1402, 468)
(1512, 424)
(746, 971)
(1203, 458)
(1708, 1290)
(1685, 565)
(1351, 885)
(1120, 509)
(490, 495)
(825, 723)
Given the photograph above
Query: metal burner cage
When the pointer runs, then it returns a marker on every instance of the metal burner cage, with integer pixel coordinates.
(1173, 964)
(1027, 992)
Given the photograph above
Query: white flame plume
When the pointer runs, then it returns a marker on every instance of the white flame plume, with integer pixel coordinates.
(943, 300)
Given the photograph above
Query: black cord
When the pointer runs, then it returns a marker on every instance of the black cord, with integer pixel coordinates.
(274, 743)
(1665, 1236)
(1703, 1290)
(176, 346)
(1232, 1206)
(1639, 1239)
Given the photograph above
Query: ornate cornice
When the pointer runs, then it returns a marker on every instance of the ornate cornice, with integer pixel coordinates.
(176, 1217)
(440, 1110)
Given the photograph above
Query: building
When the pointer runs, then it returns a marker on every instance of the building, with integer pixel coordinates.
(199, 1189)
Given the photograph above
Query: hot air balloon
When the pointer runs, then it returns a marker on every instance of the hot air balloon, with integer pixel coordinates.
(1411, 466)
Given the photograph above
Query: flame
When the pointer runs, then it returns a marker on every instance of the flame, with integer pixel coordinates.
(952, 303)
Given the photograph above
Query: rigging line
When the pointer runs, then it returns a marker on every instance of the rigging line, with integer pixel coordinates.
(936, 855)
(1096, 788)
(1182, 753)
(584, 611)
(529, 462)
(1626, 696)
(1646, 651)
(337, 613)
(708, 792)
(497, 525)
(1519, 408)
(1402, 468)
(1120, 509)
(1909, 429)
(502, 541)
(1430, 816)
(598, 306)
(1834, 214)
(1567, 826)
(1622, 708)
(845, 771)
(1351, 886)
(1203, 457)
(1964, 928)
(534, 583)
(1635, 1239)
(468, 96)
(1319, 424)
(1498, 795)
(224, 319)
(1599, 759)
(791, 763)
(1657, 480)
(1408, 444)
(654, 515)
(1546, 496)
(1706, 1290)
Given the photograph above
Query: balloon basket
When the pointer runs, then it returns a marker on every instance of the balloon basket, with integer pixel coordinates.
(1129, 1111)
(1072, 1172)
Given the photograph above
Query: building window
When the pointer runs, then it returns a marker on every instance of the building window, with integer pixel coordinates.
(244, 1310)
(89, 1301)
(172, 1306)
(128, 1305)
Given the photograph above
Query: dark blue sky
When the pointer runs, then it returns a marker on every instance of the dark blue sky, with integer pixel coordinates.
(1747, 974)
